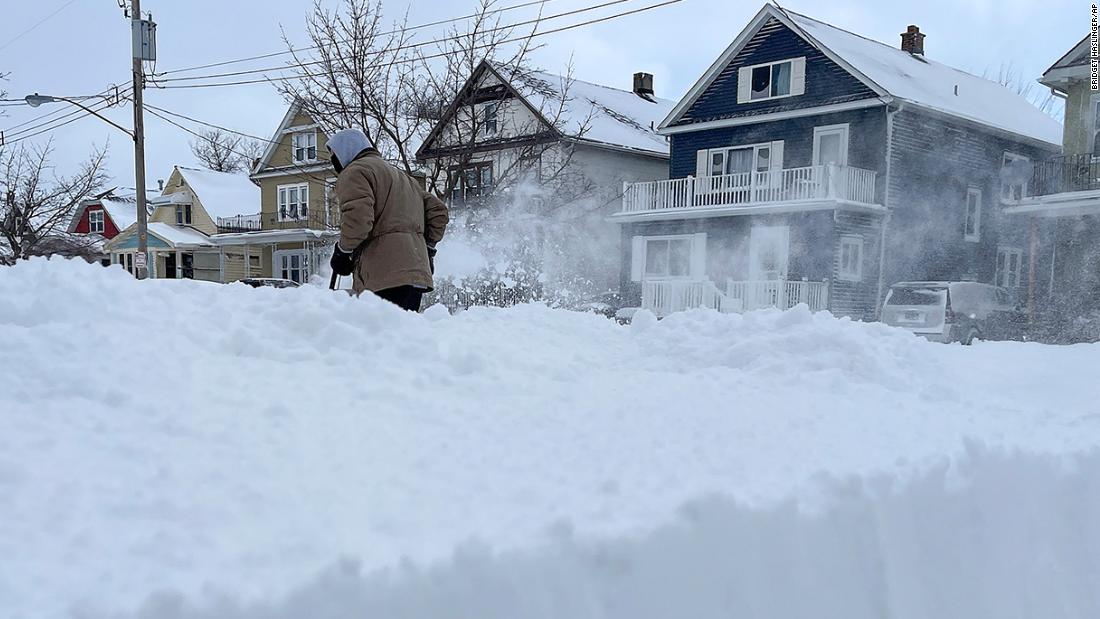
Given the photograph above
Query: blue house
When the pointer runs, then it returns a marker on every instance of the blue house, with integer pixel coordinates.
(812, 165)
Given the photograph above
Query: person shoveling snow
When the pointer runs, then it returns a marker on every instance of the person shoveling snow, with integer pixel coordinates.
(389, 226)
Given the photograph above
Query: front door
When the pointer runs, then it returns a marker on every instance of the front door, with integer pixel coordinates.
(170, 265)
(769, 248)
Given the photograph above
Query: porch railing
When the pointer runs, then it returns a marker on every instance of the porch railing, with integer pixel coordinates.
(750, 188)
(667, 296)
(1065, 174)
(783, 294)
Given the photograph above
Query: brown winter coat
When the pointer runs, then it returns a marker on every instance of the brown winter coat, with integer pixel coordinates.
(393, 219)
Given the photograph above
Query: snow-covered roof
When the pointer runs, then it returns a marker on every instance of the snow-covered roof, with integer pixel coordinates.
(933, 85)
(222, 194)
(179, 235)
(121, 207)
(595, 113)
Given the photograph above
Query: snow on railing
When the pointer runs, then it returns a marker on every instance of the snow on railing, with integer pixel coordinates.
(663, 297)
(239, 223)
(749, 188)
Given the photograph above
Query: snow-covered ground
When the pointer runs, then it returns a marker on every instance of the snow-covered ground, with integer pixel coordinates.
(176, 449)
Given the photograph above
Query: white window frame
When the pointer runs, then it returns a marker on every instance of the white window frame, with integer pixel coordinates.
(669, 238)
(770, 65)
(852, 272)
(842, 130)
(1006, 277)
(97, 220)
(282, 272)
(976, 235)
(1007, 193)
(311, 142)
(282, 193)
(331, 204)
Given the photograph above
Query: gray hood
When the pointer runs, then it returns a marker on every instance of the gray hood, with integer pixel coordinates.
(346, 144)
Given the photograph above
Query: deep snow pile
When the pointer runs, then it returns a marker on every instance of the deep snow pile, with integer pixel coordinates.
(181, 449)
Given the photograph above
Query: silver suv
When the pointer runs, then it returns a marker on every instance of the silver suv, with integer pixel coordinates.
(954, 311)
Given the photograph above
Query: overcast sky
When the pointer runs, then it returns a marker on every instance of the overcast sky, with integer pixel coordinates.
(86, 46)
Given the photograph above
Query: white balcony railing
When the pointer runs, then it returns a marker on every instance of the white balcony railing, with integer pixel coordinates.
(827, 182)
(667, 296)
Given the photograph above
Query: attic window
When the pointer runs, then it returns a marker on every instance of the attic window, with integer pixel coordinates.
(304, 146)
(183, 214)
(95, 220)
(771, 80)
(489, 123)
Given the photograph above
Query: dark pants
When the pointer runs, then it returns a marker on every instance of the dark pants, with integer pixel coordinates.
(405, 297)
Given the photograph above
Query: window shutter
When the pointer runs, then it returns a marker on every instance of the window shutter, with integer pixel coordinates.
(699, 256)
(744, 84)
(776, 162)
(798, 76)
(637, 258)
(702, 163)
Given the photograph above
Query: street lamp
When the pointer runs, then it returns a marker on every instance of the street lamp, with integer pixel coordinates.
(36, 100)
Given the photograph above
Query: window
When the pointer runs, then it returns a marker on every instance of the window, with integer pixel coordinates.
(1094, 127)
(1009, 265)
(292, 265)
(771, 80)
(470, 183)
(972, 226)
(183, 214)
(851, 258)
(1014, 174)
(742, 159)
(95, 220)
(668, 257)
(304, 146)
(489, 122)
(126, 261)
(293, 202)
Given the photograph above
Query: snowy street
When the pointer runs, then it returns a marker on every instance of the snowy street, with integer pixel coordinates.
(183, 449)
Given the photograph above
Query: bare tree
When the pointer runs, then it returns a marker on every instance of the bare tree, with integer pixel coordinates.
(36, 204)
(361, 72)
(225, 152)
(1009, 76)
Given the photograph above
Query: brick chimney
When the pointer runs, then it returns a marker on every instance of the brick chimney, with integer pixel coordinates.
(912, 41)
(643, 85)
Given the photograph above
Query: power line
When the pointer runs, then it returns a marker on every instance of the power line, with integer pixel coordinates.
(399, 48)
(105, 93)
(211, 125)
(313, 47)
(442, 54)
(37, 24)
(82, 114)
(77, 112)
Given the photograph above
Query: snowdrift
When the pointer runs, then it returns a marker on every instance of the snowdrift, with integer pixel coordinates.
(181, 449)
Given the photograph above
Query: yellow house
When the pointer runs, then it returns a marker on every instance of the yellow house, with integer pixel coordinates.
(298, 214)
(184, 226)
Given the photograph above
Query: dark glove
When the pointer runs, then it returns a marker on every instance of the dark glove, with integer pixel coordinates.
(342, 262)
(431, 258)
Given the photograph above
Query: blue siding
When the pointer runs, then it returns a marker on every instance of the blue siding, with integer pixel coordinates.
(826, 82)
(866, 140)
(934, 160)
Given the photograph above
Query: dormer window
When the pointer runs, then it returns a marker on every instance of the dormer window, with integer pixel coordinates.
(95, 220)
(771, 80)
(304, 146)
(183, 214)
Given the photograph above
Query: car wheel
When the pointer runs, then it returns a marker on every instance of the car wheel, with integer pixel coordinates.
(971, 335)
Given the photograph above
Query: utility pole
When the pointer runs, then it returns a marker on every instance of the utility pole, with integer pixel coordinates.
(144, 47)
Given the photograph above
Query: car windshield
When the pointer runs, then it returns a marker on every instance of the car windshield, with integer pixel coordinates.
(915, 296)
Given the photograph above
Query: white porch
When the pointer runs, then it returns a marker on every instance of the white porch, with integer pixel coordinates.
(820, 184)
(663, 297)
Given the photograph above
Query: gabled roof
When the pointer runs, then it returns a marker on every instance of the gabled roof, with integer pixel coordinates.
(1077, 55)
(895, 74)
(291, 113)
(585, 112)
(1073, 65)
(171, 234)
(121, 207)
(222, 194)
